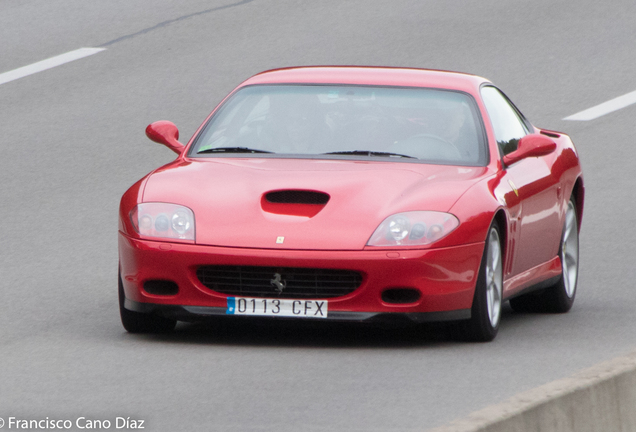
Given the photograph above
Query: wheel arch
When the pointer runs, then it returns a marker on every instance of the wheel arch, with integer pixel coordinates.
(578, 193)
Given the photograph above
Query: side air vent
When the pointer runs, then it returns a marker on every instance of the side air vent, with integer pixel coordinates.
(297, 197)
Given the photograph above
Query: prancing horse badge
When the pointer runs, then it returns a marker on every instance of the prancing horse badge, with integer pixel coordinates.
(278, 284)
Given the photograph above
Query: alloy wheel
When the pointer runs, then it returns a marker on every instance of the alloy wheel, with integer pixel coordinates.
(494, 278)
(570, 251)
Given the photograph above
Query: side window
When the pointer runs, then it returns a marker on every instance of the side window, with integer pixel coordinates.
(509, 128)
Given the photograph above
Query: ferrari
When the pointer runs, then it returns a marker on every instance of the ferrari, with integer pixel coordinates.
(354, 194)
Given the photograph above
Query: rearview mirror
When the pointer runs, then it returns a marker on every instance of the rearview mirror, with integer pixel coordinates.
(533, 145)
(166, 133)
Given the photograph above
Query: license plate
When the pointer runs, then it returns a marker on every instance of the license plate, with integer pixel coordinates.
(277, 307)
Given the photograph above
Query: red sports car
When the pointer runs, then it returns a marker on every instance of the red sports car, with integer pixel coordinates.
(354, 193)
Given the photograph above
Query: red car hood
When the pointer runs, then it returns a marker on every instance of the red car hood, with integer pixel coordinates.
(226, 196)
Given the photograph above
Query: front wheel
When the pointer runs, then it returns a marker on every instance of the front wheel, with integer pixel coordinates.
(135, 322)
(486, 310)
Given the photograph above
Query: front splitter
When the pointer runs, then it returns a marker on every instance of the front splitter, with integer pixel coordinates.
(200, 313)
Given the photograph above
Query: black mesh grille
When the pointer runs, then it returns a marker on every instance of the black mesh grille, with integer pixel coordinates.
(260, 281)
(297, 197)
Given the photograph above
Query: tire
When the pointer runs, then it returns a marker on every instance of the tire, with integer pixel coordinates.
(136, 322)
(558, 298)
(486, 310)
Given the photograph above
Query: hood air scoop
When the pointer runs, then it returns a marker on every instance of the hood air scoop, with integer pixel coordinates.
(294, 202)
(297, 197)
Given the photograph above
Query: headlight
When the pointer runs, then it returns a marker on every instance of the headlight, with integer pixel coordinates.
(414, 228)
(163, 220)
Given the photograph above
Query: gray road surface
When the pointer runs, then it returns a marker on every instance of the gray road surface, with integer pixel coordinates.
(72, 140)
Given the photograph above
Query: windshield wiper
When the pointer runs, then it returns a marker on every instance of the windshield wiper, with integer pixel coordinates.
(370, 153)
(232, 150)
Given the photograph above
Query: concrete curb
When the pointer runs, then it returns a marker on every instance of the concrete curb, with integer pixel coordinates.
(601, 398)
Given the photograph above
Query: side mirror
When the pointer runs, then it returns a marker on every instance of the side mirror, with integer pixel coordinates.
(166, 133)
(533, 145)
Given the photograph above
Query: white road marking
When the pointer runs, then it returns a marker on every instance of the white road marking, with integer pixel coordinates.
(604, 108)
(47, 64)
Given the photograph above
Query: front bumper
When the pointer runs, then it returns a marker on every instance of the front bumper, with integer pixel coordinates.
(200, 313)
(445, 278)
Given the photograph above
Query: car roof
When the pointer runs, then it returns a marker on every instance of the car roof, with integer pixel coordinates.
(367, 75)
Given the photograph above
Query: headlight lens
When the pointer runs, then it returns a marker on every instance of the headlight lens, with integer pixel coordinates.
(414, 228)
(163, 220)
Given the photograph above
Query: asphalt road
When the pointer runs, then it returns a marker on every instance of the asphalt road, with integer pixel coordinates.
(72, 140)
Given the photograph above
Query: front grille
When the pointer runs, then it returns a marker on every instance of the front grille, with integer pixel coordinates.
(261, 281)
(297, 197)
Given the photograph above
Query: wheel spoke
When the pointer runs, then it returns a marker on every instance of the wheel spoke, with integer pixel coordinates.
(566, 280)
(495, 258)
(569, 222)
(495, 294)
(495, 304)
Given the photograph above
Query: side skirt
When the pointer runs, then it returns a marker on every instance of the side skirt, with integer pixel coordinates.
(539, 277)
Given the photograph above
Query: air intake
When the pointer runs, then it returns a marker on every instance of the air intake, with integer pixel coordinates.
(252, 281)
(297, 197)
(161, 287)
(401, 295)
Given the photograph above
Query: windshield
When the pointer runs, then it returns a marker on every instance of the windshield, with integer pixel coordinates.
(414, 124)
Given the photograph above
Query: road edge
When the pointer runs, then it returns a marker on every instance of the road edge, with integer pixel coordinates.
(600, 398)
